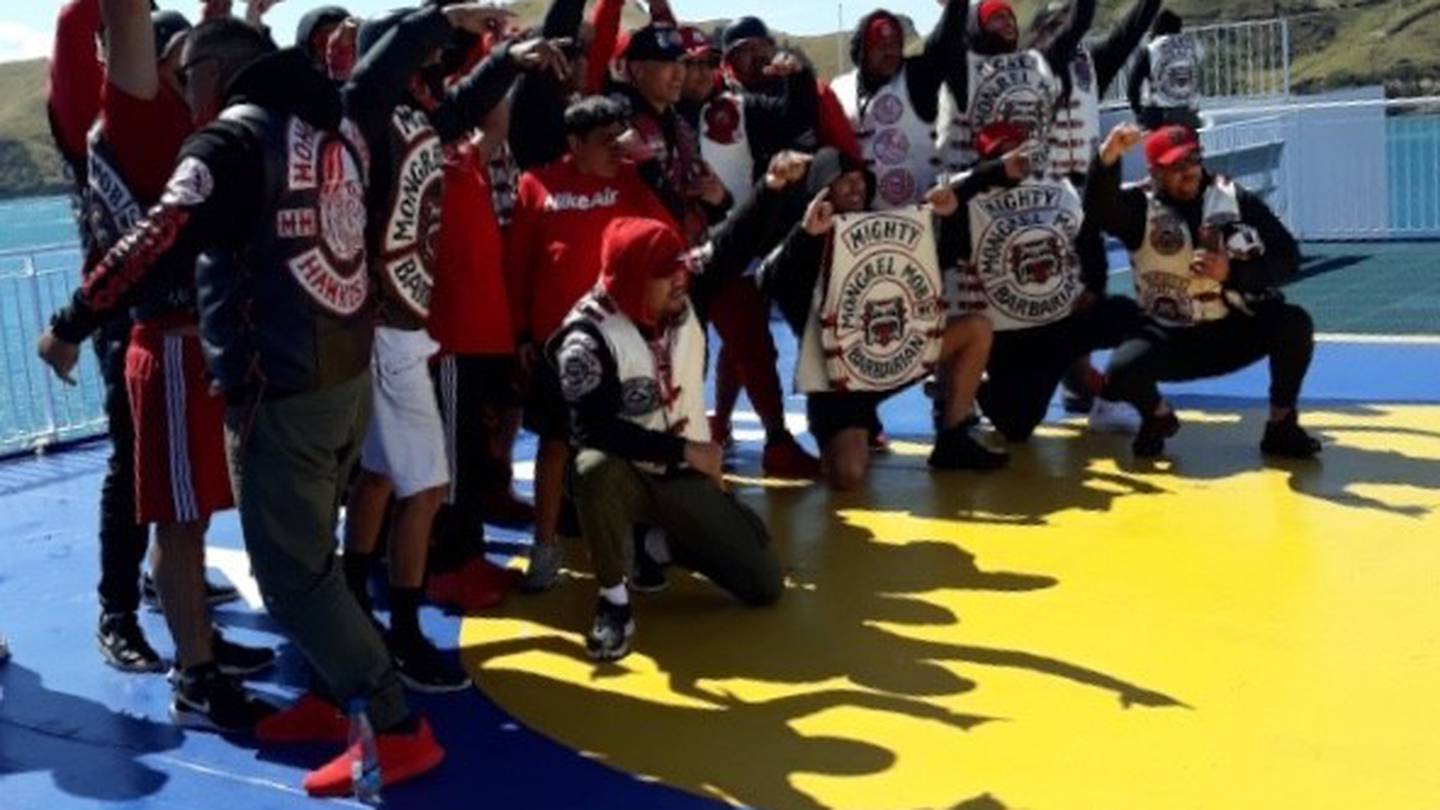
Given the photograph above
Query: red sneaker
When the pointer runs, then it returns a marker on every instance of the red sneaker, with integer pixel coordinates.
(475, 586)
(402, 757)
(785, 458)
(308, 719)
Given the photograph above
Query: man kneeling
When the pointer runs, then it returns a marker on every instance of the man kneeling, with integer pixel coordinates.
(1207, 258)
(631, 362)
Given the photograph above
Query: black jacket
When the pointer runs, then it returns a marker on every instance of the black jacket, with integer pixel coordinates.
(221, 203)
(1124, 213)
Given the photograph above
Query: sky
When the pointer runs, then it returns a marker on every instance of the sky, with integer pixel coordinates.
(27, 26)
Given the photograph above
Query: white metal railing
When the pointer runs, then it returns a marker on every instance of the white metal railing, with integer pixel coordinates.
(1239, 60)
(1351, 170)
(36, 409)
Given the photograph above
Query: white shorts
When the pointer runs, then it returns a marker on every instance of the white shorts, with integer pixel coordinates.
(406, 440)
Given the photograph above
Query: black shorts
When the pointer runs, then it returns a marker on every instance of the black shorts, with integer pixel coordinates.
(546, 413)
(830, 412)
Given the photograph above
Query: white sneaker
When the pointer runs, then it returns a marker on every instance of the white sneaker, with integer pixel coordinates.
(1113, 417)
(545, 559)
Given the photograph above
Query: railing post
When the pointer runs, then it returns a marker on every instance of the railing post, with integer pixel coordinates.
(1285, 52)
(52, 429)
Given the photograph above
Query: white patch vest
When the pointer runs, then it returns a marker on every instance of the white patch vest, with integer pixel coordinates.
(1075, 135)
(1018, 87)
(1174, 79)
(878, 312)
(668, 397)
(725, 145)
(1023, 268)
(898, 146)
(1165, 286)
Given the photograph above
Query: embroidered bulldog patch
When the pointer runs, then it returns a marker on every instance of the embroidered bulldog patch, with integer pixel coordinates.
(578, 365)
(1167, 233)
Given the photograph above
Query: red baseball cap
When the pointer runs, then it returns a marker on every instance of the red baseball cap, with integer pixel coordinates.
(1169, 145)
(989, 8)
(997, 138)
(696, 43)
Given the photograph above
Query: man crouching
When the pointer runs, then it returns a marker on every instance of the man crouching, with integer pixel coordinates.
(631, 362)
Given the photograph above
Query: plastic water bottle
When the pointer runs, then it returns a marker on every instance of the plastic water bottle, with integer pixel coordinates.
(365, 771)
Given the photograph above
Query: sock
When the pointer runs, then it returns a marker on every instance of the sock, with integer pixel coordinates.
(357, 567)
(1094, 381)
(618, 595)
(404, 612)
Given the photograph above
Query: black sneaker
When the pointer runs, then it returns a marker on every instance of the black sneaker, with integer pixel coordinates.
(423, 668)
(214, 594)
(609, 637)
(1078, 402)
(956, 449)
(4, 650)
(649, 574)
(1287, 439)
(237, 659)
(207, 699)
(1154, 430)
(123, 644)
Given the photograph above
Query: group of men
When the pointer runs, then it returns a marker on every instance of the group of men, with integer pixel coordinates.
(345, 273)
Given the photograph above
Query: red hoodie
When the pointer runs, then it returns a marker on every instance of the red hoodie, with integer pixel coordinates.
(76, 76)
(469, 310)
(553, 248)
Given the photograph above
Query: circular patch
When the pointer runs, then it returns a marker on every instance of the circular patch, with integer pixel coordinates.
(891, 147)
(897, 187)
(722, 121)
(578, 366)
(639, 396)
(887, 108)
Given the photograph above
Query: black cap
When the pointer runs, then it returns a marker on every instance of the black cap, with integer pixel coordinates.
(315, 19)
(168, 25)
(743, 29)
(376, 27)
(656, 42)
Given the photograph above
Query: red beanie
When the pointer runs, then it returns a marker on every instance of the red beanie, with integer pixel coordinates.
(989, 8)
(1000, 137)
(633, 251)
(880, 28)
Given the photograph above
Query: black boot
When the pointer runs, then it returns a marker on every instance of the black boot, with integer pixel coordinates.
(956, 449)
(1154, 430)
(1285, 438)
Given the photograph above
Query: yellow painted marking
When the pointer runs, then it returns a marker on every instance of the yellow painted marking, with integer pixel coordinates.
(1079, 631)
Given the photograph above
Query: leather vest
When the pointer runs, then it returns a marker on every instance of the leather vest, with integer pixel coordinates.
(290, 310)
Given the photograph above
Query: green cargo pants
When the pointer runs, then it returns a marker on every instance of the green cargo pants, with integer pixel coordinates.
(708, 530)
(289, 462)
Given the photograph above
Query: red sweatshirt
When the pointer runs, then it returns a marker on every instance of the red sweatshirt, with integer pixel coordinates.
(469, 312)
(76, 76)
(553, 248)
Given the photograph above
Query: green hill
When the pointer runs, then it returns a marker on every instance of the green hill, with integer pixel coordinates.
(1334, 43)
(29, 164)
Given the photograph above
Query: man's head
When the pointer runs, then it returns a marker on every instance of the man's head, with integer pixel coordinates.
(644, 268)
(593, 127)
(1173, 154)
(213, 55)
(878, 46)
(652, 64)
(749, 49)
(428, 83)
(702, 64)
(312, 35)
(171, 28)
(1048, 23)
(996, 21)
(1167, 23)
(843, 177)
